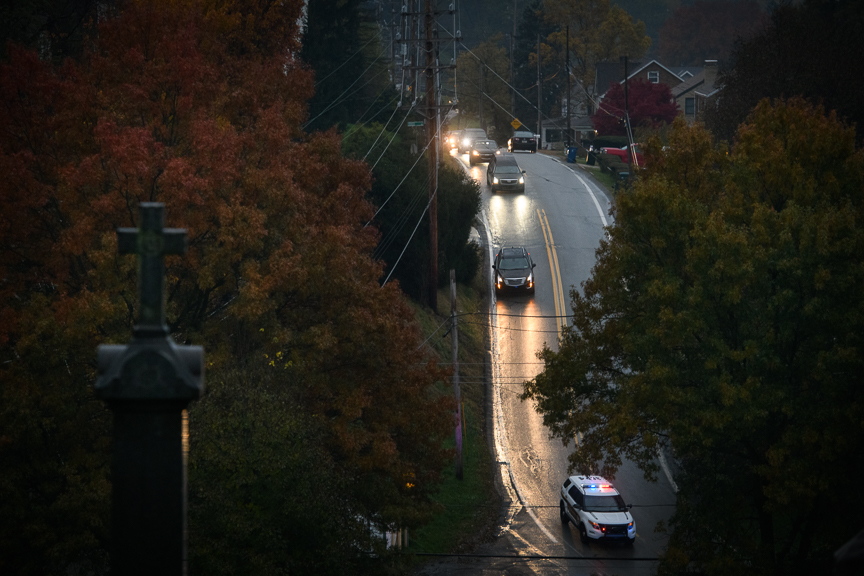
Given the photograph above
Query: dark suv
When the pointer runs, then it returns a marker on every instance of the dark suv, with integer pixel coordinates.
(514, 270)
(482, 151)
(504, 173)
(468, 136)
(522, 140)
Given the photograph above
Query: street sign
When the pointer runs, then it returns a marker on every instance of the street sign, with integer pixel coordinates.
(415, 123)
(515, 124)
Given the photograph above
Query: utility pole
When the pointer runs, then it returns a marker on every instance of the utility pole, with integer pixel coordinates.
(539, 96)
(457, 392)
(627, 123)
(480, 68)
(432, 151)
(393, 44)
(567, 70)
(512, 83)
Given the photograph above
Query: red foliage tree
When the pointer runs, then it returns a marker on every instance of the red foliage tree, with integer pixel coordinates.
(649, 105)
(707, 30)
(201, 109)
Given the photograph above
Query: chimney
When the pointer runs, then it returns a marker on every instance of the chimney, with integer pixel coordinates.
(710, 72)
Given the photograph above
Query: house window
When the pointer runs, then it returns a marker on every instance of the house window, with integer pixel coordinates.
(689, 106)
(654, 77)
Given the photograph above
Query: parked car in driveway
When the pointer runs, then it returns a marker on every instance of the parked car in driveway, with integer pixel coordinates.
(514, 270)
(504, 174)
(522, 140)
(483, 151)
(622, 153)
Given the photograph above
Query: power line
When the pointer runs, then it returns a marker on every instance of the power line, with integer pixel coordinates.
(398, 185)
(537, 557)
(385, 243)
(410, 108)
(337, 100)
(384, 128)
(346, 61)
(412, 236)
(359, 124)
(534, 106)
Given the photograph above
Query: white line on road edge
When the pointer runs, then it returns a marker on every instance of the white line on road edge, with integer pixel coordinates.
(588, 188)
(665, 466)
(593, 197)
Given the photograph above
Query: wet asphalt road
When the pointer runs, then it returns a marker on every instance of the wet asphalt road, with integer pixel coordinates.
(560, 219)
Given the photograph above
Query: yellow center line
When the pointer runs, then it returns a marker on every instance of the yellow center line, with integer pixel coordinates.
(557, 285)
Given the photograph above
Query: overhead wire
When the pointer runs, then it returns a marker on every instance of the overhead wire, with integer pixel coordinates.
(398, 185)
(534, 106)
(393, 268)
(385, 242)
(395, 132)
(357, 127)
(342, 98)
(374, 37)
(338, 99)
(431, 198)
(360, 123)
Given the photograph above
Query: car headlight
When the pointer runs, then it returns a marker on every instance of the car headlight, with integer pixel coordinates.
(521, 180)
(494, 180)
(630, 526)
(530, 278)
(466, 143)
(594, 525)
(476, 153)
(498, 152)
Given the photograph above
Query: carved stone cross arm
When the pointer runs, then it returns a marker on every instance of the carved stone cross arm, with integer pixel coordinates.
(151, 242)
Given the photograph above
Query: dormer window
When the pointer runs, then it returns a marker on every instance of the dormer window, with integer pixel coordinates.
(654, 77)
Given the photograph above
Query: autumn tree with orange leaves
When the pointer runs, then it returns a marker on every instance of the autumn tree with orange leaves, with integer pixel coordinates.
(321, 407)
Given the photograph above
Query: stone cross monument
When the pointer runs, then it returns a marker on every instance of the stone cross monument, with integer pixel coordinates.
(147, 384)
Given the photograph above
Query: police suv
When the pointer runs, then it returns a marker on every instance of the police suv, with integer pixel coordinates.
(596, 509)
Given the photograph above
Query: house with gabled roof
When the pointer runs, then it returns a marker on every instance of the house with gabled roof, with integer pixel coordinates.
(693, 95)
(607, 73)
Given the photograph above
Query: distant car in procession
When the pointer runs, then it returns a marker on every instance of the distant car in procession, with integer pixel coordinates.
(483, 151)
(452, 139)
(514, 270)
(468, 136)
(504, 173)
(522, 140)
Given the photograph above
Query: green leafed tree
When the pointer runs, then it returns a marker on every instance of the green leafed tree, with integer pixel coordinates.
(532, 27)
(400, 194)
(723, 324)
(484, 98)
(806, 50)
(599, 31)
